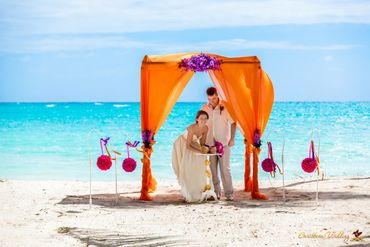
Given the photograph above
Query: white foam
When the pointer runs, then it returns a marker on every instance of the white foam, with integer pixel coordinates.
(97, 103)
(118, 105)
(50, 105)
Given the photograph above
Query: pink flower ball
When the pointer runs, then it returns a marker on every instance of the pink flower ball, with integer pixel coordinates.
(220, 148)
(309, 165)
(129, 165)
(268, 165)
(104, 162)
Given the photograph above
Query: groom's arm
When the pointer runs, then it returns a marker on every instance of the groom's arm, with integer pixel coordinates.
(233, 130)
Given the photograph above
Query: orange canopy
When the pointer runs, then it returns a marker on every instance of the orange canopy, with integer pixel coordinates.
(245, 88)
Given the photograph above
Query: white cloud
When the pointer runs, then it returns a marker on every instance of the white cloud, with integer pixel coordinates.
(61, 44)
(90, 44)
(101, 16)
(237, 44)
(328, 58)
(68, 25)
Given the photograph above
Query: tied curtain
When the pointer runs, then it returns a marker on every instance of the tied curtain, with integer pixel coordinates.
(249, 95)
(162, 82)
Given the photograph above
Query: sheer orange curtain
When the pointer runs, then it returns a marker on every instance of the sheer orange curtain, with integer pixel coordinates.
(161, 85)
(249, 94)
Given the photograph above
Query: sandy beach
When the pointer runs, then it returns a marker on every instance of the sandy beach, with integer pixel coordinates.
(57, 213)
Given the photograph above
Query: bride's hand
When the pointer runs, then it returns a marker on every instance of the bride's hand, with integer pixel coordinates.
(213, 150)
(204, 149)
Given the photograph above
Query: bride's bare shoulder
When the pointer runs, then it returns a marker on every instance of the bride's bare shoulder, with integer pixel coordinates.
(191, 126)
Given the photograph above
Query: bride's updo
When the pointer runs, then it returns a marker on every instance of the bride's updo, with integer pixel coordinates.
(200, 113)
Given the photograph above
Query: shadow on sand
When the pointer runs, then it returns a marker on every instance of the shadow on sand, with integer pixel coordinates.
(100, 237)
(294, 198)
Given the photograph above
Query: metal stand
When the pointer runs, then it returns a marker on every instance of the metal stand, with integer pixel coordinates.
(318, 167)
(90, 165)
(115, 166)
(282, 168)
(282, 162)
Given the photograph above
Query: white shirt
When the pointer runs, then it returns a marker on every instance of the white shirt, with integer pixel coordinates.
(218, 125)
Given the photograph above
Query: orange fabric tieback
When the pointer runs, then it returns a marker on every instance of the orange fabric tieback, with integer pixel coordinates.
(255, 190)
(247, 170)
(149, 184)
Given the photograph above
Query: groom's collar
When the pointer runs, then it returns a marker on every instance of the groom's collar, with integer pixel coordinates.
(217, 106)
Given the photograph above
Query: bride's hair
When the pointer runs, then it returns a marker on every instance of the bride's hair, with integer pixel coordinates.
(199, 113)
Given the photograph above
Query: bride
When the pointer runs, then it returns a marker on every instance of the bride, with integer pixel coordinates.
(187, 165)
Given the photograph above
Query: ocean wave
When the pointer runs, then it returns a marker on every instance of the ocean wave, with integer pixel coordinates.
(119, 105)
(50, 105)
(97, 103)
(39, 126)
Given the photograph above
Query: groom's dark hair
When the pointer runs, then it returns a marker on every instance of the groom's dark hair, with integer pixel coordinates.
(211, 91)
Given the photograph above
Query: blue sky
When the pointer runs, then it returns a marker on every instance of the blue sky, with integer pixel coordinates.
(79, 50)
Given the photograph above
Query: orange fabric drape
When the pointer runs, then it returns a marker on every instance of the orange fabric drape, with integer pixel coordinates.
(248, 91)
(162, 82)
(161, 85)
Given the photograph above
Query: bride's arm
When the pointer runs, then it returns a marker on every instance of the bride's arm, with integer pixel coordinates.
(204, 136)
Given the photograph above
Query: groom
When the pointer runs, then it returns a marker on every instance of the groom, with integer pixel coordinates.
(219, 129)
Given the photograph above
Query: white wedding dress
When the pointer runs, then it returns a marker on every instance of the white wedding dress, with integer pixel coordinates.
(189, 169)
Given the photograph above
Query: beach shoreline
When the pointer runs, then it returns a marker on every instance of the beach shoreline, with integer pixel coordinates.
(57, 213)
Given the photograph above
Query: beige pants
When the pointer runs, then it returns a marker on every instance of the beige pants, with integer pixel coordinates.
(224, 164)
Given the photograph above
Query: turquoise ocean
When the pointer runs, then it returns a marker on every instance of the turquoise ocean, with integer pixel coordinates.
(50, 141)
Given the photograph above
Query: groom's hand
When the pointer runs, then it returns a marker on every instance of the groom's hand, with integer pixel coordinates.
(231, 143)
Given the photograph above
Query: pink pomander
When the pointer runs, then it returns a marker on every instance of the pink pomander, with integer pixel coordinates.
(129, 164)
(268, 165)
(104, 162)
(309, 165)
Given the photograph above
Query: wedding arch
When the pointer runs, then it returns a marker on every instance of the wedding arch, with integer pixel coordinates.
(245, 88)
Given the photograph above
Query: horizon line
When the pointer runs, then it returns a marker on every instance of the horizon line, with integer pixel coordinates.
(84, 102)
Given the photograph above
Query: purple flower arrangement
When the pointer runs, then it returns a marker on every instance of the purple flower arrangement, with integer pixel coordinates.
(200, 63)
(256, 139)
(147, 137)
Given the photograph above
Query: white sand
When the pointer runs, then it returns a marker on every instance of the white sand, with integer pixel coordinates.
(31, 213)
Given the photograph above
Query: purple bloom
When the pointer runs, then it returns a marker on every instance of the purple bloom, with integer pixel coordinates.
(147, 137)
(257, 139)
(199, 63)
